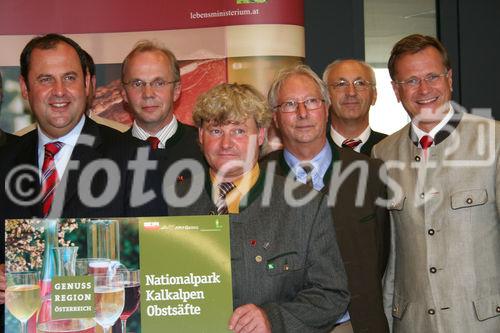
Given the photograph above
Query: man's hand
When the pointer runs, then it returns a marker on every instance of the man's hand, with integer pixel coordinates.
(249, 318)
(2, 283)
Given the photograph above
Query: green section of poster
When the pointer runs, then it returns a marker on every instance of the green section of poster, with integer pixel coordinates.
(73, 297)
(185, 274)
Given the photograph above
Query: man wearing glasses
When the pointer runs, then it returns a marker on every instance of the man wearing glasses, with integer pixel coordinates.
(444, 268)
(151, 85)
(300, 104)
(351, 84)
(286, 268)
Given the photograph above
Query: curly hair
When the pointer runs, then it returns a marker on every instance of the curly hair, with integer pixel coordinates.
(232, 102)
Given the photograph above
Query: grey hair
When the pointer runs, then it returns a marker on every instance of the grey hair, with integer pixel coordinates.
(285, 73)
(329, 68)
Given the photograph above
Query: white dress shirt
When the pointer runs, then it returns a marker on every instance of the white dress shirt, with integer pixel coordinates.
(420, 133)
(163, 135)
(62, 158)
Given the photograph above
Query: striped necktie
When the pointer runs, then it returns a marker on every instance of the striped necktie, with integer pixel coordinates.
(224, 189)
(351, 143)
(49, 175)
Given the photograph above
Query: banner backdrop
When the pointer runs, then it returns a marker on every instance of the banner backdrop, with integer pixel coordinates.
(216, 41)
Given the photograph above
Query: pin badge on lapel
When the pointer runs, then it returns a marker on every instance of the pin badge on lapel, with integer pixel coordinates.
(253, 242)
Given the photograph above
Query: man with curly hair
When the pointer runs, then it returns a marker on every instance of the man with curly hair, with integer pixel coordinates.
(286, 268)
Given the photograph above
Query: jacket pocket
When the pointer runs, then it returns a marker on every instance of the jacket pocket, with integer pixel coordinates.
(284, 263)
(399, 306)
(468, 198)
(487, 307)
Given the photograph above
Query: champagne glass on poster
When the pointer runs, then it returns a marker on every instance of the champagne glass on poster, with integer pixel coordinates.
(109, 296)
(131, 281)
(22, 296)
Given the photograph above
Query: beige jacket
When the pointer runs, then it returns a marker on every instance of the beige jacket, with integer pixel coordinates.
(444, 270)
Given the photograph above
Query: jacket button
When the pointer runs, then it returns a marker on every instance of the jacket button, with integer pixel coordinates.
(469, 201)
(498, 309)
(431, 232)
(433, 270)
(431, 311)
(395, 309)
(417, 158)
(422, 195)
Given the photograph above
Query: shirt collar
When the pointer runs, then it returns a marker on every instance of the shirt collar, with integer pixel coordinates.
(243, 185)
(338, 138)
(420, 133)
(321, 163)
(69, 139)
(163, 134)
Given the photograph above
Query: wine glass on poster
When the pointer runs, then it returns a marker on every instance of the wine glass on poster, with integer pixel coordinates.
(109, 293)
(22, 296)
(131, 281)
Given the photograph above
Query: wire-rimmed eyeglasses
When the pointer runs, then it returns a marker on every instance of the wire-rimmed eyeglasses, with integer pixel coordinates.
(359, 84)
(414, 82)
(310, 104)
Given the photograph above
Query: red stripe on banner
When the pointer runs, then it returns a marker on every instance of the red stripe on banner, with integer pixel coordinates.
(22, 17)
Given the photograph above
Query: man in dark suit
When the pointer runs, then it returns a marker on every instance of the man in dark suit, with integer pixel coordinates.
(286, 268)
(300, 101)
(151, 86)
(87, 175)
(352, 88)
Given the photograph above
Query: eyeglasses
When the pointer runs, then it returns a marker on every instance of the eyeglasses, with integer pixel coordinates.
(157, 84)
(414, 82)
(291, 106)
(359, 85)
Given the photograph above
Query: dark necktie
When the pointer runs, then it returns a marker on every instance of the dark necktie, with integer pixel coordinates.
(308, 169)
(224, 189)
(351, 143)
(49, 175)
(153, 142)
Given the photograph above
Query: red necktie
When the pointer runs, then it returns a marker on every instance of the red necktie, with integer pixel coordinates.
(351, 143)
(153, 142)
(426, 141)
(49, 175)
